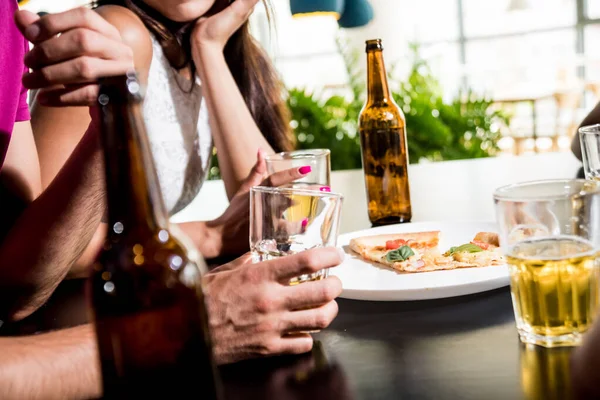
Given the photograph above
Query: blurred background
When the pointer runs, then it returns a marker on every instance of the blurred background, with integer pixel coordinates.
(475, 78)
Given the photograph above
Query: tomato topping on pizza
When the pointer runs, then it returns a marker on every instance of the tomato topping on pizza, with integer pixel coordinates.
(479, 243)
(395, 244)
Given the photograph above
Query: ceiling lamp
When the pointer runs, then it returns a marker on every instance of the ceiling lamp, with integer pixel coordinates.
(356, 13)
(302, 8)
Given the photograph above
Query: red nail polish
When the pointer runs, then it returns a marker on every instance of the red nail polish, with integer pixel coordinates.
(304, 222)
(305, 170)
(325, 189)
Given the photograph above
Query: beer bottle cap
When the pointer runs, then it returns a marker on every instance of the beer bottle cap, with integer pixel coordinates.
(374, 44)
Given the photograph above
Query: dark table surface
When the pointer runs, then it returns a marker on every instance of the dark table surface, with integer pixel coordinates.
(458, 348)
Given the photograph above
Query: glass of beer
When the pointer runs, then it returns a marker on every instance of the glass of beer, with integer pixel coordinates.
(317, 159)
(279, 228)
(589, 137)
(550, 234)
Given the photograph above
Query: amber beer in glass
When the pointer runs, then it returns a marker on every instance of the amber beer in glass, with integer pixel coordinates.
(383, 141)
(145, 287)
(550, 235)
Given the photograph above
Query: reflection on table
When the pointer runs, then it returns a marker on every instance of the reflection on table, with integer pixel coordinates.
(545, 373)
(310, 376)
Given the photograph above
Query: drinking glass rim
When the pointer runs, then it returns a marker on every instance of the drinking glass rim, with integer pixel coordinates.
(292, 191)
(298, 154)
(501, 193)
(590, 129)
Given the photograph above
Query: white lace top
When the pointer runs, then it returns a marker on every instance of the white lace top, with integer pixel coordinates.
(178, 130)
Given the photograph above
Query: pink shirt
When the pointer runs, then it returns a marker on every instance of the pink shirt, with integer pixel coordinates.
(13, 96)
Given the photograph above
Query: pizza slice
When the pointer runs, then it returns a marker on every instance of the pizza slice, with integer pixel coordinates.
(483, 250)
(402, 251)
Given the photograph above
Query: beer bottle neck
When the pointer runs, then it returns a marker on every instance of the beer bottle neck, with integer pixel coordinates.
(133, 192)
(377, 84)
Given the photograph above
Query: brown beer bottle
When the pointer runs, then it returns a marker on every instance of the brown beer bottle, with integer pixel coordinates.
(145, 287)
(383, 142)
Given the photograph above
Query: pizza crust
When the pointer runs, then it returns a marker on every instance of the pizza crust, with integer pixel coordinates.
(480, 259)
(422, 240)
(488, 237)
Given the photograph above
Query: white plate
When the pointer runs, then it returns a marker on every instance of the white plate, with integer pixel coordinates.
(362, 280)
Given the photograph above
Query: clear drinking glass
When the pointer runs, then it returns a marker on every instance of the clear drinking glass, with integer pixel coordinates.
(317, 159)
(589, 137)
(550, 234)
(285, 221)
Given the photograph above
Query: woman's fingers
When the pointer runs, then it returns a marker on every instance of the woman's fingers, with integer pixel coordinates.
(257, 173)
(236, 14)
(284, 177)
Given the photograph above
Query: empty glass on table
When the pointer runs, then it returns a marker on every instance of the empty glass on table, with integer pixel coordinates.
(550, 234)
(285, 221)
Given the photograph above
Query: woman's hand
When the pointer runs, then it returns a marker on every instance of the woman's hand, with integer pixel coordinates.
(215, 30)
(228, 235)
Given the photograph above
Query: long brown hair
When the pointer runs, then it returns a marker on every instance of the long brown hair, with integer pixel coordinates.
(250, 66)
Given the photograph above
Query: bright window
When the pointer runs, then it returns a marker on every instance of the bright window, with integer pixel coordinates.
(424, 21)
(522, 66)
(593, 8)
(496, 17)
(592, 52)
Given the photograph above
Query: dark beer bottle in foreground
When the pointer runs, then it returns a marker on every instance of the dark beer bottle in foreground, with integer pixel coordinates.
(383, 142)
(146, 296)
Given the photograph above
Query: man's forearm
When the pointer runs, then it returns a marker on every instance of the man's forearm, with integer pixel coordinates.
(81, 267)
(56, 365)
(52, 232)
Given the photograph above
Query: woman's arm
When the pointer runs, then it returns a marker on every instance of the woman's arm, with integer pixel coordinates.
(592, 118)
(234, 131)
